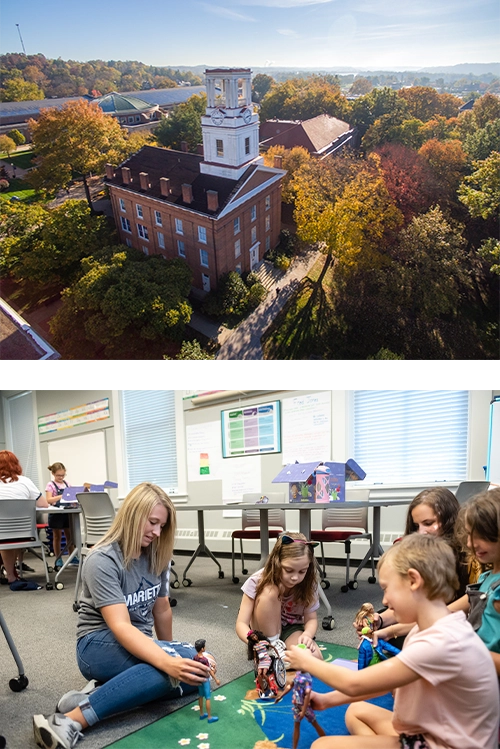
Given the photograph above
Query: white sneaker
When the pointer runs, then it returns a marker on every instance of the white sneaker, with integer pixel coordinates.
(72, 699)
(280, 649)
(56, 731)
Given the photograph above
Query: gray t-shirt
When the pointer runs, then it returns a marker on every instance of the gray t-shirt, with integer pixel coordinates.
(105, 582)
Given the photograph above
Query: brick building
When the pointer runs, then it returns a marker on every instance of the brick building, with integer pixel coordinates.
(219, 211)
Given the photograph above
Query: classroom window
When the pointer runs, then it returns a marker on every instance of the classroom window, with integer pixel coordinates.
(236, 225)
(253, 213)
(237, 248)
(150, 438)
(202, 234)
(254, 234)
(139, 210)
(268, 202)
(181, 248)
(178, 226)
(143, 232)
(219, 145)
(404, 436)
(161, 240)
(204, 258)
(122, 205)
(125, 224)
(158, 218)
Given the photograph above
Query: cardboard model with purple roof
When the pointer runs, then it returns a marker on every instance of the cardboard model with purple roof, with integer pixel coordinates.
(318, 482)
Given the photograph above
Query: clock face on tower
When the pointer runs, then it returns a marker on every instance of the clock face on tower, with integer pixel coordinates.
(217, 117)
(247, 115)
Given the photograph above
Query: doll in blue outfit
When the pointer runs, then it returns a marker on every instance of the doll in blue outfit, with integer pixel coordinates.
(479, 521)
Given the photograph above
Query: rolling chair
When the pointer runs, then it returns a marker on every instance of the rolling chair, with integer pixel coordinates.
(344, 524)
(467, 489)
(98, 513)
(18, 529)
(250, 526)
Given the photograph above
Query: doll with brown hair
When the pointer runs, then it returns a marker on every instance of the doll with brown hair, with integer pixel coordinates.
(258, 653)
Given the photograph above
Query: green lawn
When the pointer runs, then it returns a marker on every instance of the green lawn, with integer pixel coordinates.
(20, 189)
(22, 160)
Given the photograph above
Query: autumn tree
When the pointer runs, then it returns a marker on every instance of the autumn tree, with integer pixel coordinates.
(7, 145)
(486, 109)
(183, 124)
(292, 160)
(408, 178)
(17, 89)
(17, 136)
(360, 86)
(424, 103)
(304, 98)
(479, 144)
(75, 141)
(261, 84)
(480, 191)
(447, 161)
(379, 102)
(123, 304)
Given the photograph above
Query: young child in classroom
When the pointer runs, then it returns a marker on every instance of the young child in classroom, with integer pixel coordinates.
(281, 599)
(204, 688)
(444, 681)
(60, 522)
(479, 520)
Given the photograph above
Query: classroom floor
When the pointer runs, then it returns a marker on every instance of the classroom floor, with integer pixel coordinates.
(43, 625)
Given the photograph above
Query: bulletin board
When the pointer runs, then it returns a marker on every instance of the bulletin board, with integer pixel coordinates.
(84, 457)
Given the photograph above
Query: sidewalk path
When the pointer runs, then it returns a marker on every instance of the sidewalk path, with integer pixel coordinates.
(245, 341)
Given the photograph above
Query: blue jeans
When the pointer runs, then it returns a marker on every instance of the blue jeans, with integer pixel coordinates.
(127, 682)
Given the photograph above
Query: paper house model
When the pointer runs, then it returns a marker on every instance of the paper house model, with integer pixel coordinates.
(318, 482)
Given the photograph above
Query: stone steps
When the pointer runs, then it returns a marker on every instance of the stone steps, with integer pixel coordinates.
(268, 275)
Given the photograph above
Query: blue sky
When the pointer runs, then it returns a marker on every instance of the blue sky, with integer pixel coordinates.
(371, 34)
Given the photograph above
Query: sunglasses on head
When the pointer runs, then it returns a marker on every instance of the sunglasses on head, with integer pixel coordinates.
(289, 540)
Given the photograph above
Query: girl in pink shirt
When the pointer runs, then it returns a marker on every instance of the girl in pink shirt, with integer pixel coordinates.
(445, 684)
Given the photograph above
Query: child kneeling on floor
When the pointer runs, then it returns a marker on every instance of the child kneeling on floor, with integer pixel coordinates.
(446, 687)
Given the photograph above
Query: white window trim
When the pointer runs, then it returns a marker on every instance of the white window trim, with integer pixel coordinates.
(203, 241)
(208, 259)
(139, 210)
(123, 207)
(177, 230)
(158, 219)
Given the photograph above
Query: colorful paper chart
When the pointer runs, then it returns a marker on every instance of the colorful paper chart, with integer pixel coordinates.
(252, 430)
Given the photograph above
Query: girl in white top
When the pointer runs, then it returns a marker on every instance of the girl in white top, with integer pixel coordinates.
(446, 688)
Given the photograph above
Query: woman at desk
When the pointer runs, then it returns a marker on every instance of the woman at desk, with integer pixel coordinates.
(13, 485)
(124, 593)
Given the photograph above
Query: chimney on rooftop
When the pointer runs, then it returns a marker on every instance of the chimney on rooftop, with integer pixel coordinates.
(110, 171)
(278, 162)
(126, 175)
(187, 193)
(212, 200)
(144, 179)
(184, 146)
(164, 187)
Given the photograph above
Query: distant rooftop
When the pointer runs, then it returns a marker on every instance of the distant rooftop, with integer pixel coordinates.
(18, 340)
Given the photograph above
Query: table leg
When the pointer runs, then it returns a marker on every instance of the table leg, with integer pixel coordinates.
(74, 519)
(264, 533)
(202, 548)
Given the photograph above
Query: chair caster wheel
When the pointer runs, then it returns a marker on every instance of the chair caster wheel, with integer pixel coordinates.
(244, 572)
(221, 574)
(328, 622)
(325, 584)
(59, 586)
(344, 588)
(187, 582)
(236, 580)
(49, 586)
(50, 569)
(176, 584)
(353, 584)
(17, 685)
(173, 602)
(75, 608)
(372, 580)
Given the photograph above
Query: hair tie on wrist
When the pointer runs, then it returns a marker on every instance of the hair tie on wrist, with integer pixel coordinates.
(381, 625)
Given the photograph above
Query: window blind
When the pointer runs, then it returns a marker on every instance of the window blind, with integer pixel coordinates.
(405, 436)
(23, 434)
(150, 438)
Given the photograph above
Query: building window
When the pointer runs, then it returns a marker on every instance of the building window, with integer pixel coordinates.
(178, 226)
(161, 240)
(204, 258)
(268, 223)
(254, 234)
(131, 120)
(145, 250)
(405, 436)
(158, 220)
(253, 213)
(268, 243)
(238, 269)
(247, 145)
(181, 248)
(268, 202)
(122, 205)
(143, 232)
(149, 429)
(236, 225)
(202, 234)
(128, 241)
(220, 147)
(138, 208)
(126, 224)
(237, 248)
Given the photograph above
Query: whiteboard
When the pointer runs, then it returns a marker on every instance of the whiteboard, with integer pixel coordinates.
(307, 428)
(84, 457)
(493, 470)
